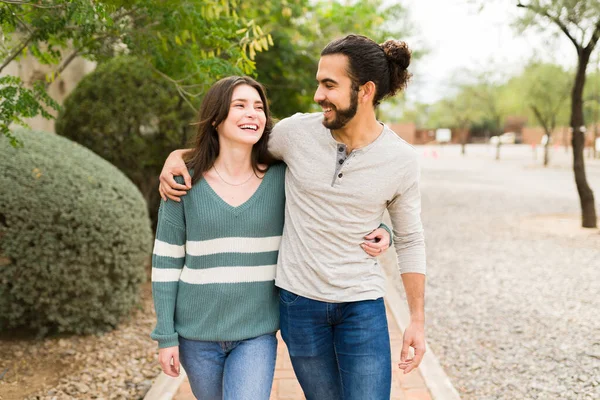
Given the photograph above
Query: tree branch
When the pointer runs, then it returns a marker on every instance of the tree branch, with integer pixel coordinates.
(540, 118)
(16, 53)
(18, 18)
(555, 19)
(65, 63)
(594, 39)
(28, 3)
(182, 93)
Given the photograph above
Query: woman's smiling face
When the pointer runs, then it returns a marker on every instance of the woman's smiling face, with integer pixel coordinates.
(246, 120)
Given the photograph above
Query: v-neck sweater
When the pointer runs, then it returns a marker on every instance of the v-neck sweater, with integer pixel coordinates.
(213, 264)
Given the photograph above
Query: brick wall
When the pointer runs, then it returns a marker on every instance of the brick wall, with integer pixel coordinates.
(407, 131)
(561, 135)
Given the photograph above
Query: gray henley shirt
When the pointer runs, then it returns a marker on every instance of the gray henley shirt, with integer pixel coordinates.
(333, 199)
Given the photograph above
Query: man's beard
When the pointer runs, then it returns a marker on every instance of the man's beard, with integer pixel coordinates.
(342, 116)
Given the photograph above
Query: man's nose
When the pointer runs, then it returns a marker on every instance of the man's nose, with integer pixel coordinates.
(319, 96)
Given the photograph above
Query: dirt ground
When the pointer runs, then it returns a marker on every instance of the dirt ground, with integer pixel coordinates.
(117, 365)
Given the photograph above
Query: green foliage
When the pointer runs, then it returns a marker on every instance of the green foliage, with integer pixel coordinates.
(543, 94)
(18, 102)
(130, 116)
(191, 43)
(300, 31)
(75, 238)
(579, 17)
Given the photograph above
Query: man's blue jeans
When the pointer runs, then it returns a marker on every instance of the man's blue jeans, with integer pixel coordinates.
(338, 350)
(241, 370)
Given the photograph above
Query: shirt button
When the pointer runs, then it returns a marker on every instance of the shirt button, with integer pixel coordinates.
(341, 148)
(340, 175)
(341, 161)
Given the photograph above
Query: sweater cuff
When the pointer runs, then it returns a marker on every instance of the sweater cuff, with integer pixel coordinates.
(384, 226)
(166, 340)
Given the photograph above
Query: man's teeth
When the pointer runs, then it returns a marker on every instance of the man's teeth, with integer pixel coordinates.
(253, 127)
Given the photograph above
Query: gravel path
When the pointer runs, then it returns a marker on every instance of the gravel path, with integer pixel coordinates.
(513, 296)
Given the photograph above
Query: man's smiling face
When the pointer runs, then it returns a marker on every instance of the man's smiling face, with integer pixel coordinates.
(335, 93)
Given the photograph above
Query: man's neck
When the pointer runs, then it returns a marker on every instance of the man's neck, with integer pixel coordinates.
(359, 132)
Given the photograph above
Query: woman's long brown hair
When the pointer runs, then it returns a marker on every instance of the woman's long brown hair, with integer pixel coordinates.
(214, 110)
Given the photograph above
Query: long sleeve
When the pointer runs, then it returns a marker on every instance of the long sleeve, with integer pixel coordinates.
(405, 213)
(168, 259)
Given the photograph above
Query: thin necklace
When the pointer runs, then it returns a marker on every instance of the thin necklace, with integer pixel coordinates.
(233, 184)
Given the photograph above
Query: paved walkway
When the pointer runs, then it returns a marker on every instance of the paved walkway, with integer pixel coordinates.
(286, 387)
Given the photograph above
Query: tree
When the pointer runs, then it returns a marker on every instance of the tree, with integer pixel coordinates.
(579, 21)
(591, 103)
(189, 43)
(464, 110)
(487, 93)
(131, 117)
(544, 90)
(420, 114)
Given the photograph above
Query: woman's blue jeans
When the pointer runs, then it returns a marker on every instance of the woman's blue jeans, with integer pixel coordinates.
(240, 370)
(338, 350)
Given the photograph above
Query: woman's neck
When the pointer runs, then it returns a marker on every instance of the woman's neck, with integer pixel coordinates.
(235, 162)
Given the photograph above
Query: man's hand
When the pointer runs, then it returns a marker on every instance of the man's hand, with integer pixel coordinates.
(414, 336)
(376, 242)
(174, 166)
(169, 360)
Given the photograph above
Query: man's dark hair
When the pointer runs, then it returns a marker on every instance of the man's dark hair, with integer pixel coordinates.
(385, 65)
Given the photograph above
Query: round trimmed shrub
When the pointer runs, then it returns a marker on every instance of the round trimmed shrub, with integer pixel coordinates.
(75, 238)
(130, 116)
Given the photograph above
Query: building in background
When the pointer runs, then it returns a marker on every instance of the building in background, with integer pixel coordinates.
(31, 71)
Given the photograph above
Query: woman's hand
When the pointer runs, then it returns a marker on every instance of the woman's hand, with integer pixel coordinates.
(169, 360)
(376, 242)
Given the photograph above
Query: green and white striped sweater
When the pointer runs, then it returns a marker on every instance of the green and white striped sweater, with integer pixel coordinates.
(213, 265)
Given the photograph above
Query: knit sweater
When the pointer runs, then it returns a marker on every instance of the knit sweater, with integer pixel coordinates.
(213, 265)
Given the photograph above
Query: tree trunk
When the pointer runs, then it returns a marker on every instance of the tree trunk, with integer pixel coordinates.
(586, 196)
(547, 152)
(596, 137)
(498, 149)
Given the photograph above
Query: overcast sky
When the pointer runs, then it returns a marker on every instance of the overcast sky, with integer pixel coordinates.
(458, 37)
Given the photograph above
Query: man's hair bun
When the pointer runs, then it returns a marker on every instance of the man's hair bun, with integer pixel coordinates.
(398, 55)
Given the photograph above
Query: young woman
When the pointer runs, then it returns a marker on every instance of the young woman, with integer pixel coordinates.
(216, 252)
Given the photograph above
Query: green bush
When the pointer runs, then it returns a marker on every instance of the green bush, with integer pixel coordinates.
(130, 116)
(75, 237)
